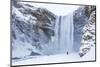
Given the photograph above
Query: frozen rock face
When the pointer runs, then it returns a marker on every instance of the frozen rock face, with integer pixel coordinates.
(88, 37)
(84, 29)
(79, 19)
(31, 28)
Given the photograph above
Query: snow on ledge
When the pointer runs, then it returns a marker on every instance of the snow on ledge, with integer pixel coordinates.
(57, 9)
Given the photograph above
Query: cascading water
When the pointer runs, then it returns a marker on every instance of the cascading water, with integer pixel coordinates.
(64, 33)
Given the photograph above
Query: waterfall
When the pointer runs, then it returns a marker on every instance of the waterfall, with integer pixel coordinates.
(64, 33)
(62, 42)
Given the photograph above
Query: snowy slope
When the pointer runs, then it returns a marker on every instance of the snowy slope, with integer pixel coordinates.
(74, 57)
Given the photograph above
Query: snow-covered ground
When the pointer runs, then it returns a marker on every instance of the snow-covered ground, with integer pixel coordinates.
(74, 57)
